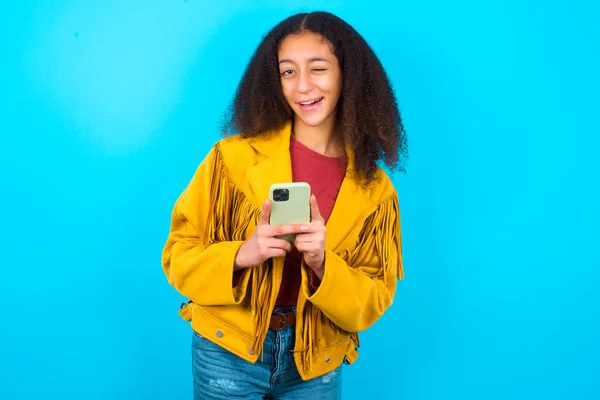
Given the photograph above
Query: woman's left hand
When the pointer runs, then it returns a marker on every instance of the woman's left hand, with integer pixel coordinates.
(312, 243)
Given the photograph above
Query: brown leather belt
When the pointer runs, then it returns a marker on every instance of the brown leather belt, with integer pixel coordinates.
(280, 320)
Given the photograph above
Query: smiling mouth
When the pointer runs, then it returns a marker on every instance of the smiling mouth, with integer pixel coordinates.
(311, 102)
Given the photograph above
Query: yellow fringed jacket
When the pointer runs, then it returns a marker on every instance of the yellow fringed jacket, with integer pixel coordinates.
(218, 211)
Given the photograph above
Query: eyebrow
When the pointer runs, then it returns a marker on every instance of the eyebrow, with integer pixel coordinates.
(285, 60)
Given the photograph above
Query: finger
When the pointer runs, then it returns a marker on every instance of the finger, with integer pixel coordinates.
(278, 230)
(300, 246)
(315, 214)
(278, 253)
(309, 237)
(270, 253)
(314, 228)
(275, 243)
(310, 248)
(265, 213)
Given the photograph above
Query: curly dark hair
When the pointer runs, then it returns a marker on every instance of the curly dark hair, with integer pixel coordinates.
(368, 117)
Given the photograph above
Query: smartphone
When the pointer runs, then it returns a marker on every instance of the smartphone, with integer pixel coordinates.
(290, 204)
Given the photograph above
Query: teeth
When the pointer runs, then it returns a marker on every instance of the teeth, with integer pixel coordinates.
(311, 102)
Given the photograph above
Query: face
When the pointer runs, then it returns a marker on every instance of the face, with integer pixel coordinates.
(311, 78)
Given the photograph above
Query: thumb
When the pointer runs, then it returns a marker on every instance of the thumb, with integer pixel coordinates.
(315, 214)
(265, 213)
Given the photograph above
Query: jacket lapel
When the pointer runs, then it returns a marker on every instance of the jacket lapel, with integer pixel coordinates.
(276, 167)
(350, 208)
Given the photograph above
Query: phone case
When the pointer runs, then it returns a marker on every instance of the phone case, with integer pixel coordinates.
(290, 204)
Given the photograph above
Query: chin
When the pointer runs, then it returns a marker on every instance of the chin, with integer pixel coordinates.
(312, 120)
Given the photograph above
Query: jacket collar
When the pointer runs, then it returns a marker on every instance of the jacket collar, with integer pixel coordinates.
(276, 167)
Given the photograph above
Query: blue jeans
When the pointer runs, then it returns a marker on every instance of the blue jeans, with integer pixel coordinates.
(219, 374)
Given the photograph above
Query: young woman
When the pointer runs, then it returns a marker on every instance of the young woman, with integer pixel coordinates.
(273, 319)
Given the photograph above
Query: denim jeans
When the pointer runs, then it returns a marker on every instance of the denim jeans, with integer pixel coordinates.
(219, 374)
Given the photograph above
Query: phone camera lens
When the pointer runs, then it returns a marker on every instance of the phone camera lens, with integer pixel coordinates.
(281, 195)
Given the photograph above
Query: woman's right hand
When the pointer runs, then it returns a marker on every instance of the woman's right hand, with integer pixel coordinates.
(263, 244)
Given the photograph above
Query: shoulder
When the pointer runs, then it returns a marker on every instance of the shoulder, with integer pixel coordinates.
(234, 151)
(231, 145)
(240, 145)
(381, 189)
(237, 154)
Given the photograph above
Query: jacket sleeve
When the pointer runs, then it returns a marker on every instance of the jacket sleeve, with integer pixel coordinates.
(200, 251)
(356, 290)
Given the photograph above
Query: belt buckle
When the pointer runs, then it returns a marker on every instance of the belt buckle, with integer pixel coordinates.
(283, 322)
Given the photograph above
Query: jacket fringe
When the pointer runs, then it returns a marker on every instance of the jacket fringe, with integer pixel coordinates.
(230, 210)
(260, 300)
(231, 213)
(382, 230)
(311, 334)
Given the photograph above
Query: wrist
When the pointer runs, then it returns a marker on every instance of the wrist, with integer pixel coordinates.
(237, 267)
(319, 271)
(238, 262)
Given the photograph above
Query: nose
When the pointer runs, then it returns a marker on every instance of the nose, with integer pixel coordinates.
(304, 83)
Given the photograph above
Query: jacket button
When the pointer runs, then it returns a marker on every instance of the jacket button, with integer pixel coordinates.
(219, 334)
(327, 360)
(250, 351)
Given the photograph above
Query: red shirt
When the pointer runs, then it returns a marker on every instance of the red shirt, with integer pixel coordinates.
(324, 175)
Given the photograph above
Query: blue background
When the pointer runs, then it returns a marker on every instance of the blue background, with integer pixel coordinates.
(107, 109)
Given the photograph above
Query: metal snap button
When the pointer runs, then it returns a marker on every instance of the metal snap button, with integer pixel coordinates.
(250, 351)
(327, 360)
(219, 333)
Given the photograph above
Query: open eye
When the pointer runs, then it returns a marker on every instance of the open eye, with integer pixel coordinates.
(287, 72)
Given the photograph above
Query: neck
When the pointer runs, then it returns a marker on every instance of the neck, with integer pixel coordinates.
(322, 138)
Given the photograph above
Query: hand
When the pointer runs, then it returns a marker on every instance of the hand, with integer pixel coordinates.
(312, 243)
(263, 244)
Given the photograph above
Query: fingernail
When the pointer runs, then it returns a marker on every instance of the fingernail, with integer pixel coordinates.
(304, 228)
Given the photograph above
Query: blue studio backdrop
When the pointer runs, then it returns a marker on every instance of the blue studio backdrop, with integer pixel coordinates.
(108, 107)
